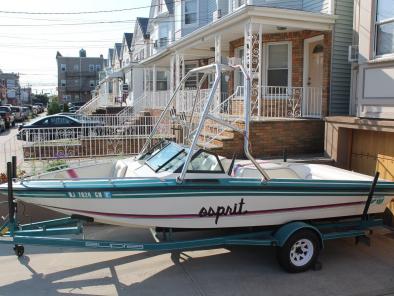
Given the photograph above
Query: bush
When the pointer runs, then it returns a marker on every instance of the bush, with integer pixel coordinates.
(65, 108)
(54, 108)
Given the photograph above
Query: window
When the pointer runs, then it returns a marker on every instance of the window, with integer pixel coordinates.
(278, 62)
(63, 67)
(238, 3)
(239, 76)
(190, 12)
(384, 27)
(191, 82)
(60, 121)
(91, 83)
(76, 67)
(98, 68)
(161, 80)
(91, 68)
(63, 83)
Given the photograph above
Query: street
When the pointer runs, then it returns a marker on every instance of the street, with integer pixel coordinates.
(10, 146)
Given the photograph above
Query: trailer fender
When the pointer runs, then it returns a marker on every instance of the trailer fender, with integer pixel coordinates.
(287, 230)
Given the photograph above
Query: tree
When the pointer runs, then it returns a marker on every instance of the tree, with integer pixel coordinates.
(54, 107)
(41, 99)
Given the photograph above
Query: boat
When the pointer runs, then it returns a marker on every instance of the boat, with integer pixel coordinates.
(177, 184)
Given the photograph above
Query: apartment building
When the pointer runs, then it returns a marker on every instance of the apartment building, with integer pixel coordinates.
(78, 76)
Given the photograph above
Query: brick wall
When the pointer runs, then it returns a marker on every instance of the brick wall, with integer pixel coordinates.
(270, 138)
(297, 40)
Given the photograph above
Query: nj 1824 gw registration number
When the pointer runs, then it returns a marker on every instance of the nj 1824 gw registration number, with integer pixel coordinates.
(89, 194)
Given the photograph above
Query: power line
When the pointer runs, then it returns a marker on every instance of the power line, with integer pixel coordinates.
(83, 12)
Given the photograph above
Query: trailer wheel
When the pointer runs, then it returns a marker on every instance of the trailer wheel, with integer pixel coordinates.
(19, 250)
(300, 251)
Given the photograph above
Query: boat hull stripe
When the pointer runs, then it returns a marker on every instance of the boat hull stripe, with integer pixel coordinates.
(181, 216)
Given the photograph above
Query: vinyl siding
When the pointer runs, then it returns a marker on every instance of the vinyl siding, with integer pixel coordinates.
(340, 67)
(316, 5)
(290, 4)
(307, 5)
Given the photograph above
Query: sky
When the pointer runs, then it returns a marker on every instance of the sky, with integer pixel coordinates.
(29, 42)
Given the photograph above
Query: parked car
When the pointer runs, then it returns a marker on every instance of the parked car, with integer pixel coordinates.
(2, 125)
(57, 126)
(18, 113)
(8, 116)
(40, 107)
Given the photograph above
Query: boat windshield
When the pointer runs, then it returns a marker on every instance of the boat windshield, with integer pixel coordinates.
(161, 158)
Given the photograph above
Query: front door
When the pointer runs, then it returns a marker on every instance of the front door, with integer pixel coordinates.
(314, 78)
(315, 71)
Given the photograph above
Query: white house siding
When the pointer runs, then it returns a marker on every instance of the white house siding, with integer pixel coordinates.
(340, 67)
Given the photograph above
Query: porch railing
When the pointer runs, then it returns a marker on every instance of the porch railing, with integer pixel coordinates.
(278, 102)
(92, 105)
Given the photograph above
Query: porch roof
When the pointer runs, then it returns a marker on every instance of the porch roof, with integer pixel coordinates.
(231, 27)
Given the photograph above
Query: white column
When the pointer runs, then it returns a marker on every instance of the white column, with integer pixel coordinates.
(172, 73)
(218, 59)
(259, 85)
(154, 74)
(177, 69)
(183, 66)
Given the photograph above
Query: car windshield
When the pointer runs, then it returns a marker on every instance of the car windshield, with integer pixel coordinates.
(158, 160)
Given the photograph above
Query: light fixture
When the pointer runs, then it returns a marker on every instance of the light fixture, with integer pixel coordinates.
(280, 28)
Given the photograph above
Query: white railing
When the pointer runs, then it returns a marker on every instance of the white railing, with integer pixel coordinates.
(278, 102)
(98, 101)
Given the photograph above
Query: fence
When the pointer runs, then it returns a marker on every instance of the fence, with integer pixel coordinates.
(101, 135)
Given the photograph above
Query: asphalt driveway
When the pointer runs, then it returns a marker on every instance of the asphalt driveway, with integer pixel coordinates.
(348, 269)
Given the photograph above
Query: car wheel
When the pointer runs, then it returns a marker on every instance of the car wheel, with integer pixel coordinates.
(300, 251)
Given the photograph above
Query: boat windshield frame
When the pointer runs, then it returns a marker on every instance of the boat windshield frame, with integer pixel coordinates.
(151, 162)
(205, 114)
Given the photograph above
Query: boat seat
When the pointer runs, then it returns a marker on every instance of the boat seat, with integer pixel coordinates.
(120, 169)
(274, 173)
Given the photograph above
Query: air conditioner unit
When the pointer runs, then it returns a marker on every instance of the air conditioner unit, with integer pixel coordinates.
(232, 61)
(353, 54)
(217, 14)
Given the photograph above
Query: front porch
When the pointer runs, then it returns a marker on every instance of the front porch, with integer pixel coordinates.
(289, 63)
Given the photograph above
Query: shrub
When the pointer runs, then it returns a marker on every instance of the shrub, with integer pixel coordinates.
(54, 108)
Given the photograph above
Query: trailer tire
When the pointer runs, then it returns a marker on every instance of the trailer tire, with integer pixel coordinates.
(19, 250)
(300, 251)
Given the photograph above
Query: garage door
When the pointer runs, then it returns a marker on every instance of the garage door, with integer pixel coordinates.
(373, 151)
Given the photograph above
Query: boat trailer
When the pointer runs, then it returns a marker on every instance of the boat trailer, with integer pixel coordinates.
(298, 243)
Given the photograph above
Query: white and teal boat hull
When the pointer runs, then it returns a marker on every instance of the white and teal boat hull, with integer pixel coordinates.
(216, 203)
